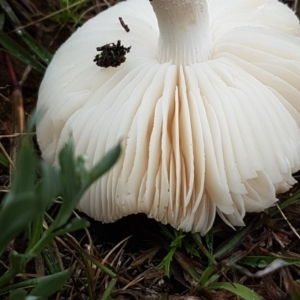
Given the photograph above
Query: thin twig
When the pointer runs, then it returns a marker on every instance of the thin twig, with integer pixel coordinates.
(49, 16)
(4, 98)
(290, 225)
(18, 110)
(295, 6)
(25, 75)
(7, 156)
(15, 135)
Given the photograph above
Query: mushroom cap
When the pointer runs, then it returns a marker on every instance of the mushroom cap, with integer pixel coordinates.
(220, 136)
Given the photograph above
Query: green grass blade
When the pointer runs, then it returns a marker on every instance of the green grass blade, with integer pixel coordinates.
(166, 262)
(40, 51)
(2, 19)
(109, 159)
(198, 239)
(20, 205)
(73, 225)
(227, 247)
(16, 50)
(17, 295)
(186, 265)
(237, 289)
(191, 249)
(4, 161)
(294, 199)
(11, 15)
(35, 47)
(17, 262)
(109, 289)
(35, 232)
(50, 284)
(22, 210)
(206, 275)
(167, 232)
(26, 166)
(95, 260)
(209, 239)
(101, 266)
(43, 285)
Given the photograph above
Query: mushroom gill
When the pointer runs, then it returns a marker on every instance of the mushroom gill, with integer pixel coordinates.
(207, 103)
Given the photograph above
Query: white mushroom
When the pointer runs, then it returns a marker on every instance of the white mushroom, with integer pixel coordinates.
(207, 103)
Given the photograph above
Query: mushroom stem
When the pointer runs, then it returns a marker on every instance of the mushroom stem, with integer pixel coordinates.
(184, 31)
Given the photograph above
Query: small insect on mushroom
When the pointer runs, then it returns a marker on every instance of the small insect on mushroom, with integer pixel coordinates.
(111, 55)
(125, 26)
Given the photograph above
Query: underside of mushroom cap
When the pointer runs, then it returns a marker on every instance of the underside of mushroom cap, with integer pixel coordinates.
(220, 136)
